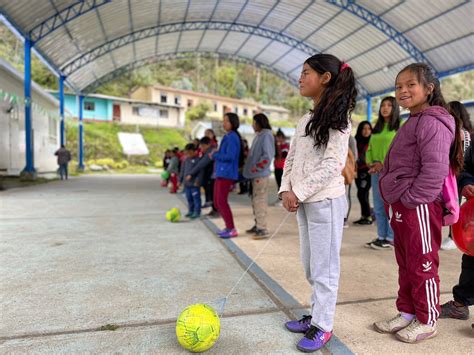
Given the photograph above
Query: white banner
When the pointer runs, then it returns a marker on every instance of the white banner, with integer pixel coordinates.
(133, 144)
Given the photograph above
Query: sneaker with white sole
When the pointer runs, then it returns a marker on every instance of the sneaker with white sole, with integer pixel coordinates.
(416, 332)
(448, 244)
(392, 325)
(380, 244)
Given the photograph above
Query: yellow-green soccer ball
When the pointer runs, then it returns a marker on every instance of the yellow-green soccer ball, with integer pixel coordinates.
(173, 215)
(198, 327)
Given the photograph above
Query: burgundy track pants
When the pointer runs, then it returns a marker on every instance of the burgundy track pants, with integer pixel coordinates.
(417, 240)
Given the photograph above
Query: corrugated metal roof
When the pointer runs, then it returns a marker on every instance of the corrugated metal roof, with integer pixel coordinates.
(89, 40)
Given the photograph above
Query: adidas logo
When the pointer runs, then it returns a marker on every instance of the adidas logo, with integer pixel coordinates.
(398, 217)
(427, 266)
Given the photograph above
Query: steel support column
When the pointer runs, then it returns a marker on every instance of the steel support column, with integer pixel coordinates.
(29, 170)
(61, 110)
(369, 108)
(80, 165)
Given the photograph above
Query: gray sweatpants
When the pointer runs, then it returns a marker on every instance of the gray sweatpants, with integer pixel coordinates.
(321, 225)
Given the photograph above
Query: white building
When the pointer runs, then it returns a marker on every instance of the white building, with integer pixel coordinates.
(45, 124)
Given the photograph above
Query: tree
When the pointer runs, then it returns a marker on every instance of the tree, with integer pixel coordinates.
(198, 112)
(183, 84)
(240, 90)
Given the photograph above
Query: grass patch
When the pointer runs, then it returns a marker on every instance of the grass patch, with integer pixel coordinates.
(110, 327)
(101, 141)
(9, 182)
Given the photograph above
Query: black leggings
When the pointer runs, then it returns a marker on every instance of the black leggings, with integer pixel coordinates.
(463, 292)
(278, 175)
(363, 184)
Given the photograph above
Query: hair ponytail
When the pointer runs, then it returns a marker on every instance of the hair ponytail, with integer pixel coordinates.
(337, 100)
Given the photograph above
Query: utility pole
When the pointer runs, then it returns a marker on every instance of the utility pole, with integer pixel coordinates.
(257, 85)
(198, 71)
(216, 68)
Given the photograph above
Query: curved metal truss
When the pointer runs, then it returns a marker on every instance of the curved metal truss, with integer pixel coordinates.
(107, 47)
(64, 16)
(191, 54)
(383, 26)
(182, 55)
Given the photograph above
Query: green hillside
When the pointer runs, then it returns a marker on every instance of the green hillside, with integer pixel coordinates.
(101, 142)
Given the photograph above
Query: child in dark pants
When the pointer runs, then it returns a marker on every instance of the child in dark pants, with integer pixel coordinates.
(463, 292)
(206, 167)
(192, 185)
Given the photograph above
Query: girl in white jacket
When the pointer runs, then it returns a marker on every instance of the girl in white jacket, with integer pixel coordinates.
(312, 186)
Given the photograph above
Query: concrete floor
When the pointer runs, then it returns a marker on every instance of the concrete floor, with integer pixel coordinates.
(97, 250)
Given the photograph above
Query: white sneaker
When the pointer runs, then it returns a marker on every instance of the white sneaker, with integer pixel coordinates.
(448, 244)
(392, 325)
(416, 332)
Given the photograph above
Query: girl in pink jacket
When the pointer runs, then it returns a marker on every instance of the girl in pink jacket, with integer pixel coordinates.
(417, 164)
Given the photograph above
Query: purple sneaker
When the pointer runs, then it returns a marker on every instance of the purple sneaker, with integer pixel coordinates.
(299, 326)
(313, 340)
(229, 233)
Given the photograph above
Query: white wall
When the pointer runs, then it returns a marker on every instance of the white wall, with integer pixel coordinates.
(152, 119)
(12, 127)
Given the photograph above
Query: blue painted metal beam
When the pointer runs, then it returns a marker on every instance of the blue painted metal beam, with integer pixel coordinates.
(29, 144)
(181, 55)
(369, 108)
(80, 163)
(62, 136)
(138, 35)
(12, 26)
(404, 32)
(383, 26)
(349, 35)
(59, 19)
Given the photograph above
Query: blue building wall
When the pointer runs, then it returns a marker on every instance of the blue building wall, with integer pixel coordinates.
(103, 108)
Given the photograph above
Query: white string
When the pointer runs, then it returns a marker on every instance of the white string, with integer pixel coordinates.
(221, 310)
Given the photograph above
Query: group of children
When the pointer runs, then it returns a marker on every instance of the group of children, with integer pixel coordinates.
(409, 166)
(193, 169)
(411, 173)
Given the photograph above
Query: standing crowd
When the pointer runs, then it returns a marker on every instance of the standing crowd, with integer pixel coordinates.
(413, 167)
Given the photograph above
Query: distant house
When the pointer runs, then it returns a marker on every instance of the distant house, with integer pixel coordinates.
(104, 108)
(45, 124)
(274, 113)
(218, 104)
(246, 131)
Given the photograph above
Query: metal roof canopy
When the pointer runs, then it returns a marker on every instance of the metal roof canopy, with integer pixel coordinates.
(88, 42)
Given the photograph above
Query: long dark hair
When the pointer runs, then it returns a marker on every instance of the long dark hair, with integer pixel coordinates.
(337, 100)
(261, 120)
(425, 77)
(394, 122)
(235, 123)
(359, 137)
(459, 112)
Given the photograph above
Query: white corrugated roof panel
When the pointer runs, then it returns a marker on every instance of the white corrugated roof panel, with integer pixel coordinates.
(189, 40)
(233, 41)
(253, 46)
(442, 29)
